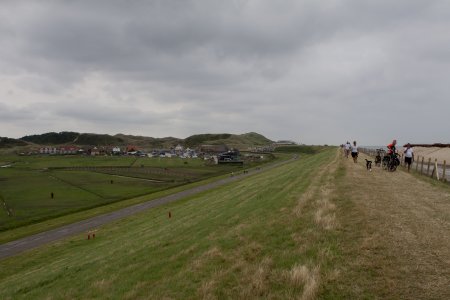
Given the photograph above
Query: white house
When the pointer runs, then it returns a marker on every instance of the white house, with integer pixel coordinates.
(48, 150)
(116, 150)
(95, 151)
(179, 149)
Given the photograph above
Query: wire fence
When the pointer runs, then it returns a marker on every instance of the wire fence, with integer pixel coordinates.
(439, 170)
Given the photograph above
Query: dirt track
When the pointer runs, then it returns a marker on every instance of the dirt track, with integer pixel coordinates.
(405, 242)
(33, 241)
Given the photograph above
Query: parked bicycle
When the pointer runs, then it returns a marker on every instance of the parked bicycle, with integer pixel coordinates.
(391, 162)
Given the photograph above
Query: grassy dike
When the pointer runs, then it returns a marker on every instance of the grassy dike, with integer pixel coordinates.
(51, 223)
(274, 234)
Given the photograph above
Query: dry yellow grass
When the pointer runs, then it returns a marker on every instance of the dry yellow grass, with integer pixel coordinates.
(307, 279)
(403, 233)
(206, 290)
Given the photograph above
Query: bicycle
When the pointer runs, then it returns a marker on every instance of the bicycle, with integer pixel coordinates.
(392, 162)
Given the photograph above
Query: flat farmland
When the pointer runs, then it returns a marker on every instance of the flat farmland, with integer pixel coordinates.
(26, 195)
(48, 161)
(82, 182)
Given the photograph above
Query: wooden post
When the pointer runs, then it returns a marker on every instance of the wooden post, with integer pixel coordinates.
(436, 168)
(417, 164)
(421, 167)
(443, 172)
(428, 168)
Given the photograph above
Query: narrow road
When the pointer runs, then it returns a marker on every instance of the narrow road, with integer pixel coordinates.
(33, 241)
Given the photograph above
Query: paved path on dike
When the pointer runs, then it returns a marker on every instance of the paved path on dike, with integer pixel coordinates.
(36, 240)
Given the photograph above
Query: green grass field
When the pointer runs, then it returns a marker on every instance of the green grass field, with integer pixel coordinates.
(27, 193)
(83, 182)
(48, 161)
(257, 238)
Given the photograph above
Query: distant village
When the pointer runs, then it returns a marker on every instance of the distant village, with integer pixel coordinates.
(220, 152)
(178, 151)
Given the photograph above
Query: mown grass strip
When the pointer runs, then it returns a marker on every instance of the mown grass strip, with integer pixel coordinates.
(242, 240)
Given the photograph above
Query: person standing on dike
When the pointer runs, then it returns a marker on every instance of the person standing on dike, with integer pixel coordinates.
(409, 155)
(347, 147)
(355, 152)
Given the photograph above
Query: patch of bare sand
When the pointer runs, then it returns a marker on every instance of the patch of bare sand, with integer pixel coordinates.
(440, 154)
(407, 240)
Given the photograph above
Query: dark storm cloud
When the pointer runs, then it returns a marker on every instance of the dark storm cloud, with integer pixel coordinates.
(305, 70)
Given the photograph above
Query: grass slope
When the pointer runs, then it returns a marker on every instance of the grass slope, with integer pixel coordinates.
(299, 149)
(320, 227)
(239, 141)
(10, 143)
(65, 137)
(266, 236)
(83, 182)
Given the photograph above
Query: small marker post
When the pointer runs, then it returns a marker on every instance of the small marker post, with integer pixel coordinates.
(170, 214)
(91, 233)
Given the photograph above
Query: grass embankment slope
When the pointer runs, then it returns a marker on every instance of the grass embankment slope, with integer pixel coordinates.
(248, 238)
(320, 227)
(84, 193)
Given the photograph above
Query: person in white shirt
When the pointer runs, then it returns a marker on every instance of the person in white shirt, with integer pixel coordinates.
(409, 155)
(355, 152)
(347, 147)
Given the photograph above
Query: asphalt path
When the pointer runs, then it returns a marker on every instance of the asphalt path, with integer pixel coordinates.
(33, 241)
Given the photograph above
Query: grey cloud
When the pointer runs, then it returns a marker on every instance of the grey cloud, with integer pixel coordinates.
(285, 68)
(101, 114)
(11, 114)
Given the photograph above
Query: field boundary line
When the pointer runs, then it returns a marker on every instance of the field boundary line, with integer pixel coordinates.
(76, 186)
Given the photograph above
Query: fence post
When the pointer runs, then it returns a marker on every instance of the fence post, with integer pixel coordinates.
(436, 168)
(417, 162)
(443, 172)
(428, 168)
(432, 172)
(421, 166)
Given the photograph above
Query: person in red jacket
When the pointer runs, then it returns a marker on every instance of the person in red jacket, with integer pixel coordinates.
(391, 147)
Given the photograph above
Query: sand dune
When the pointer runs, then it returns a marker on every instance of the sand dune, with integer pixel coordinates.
(440, 154)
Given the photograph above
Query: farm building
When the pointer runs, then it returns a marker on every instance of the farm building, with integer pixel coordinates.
(48, 150)
(61, 150)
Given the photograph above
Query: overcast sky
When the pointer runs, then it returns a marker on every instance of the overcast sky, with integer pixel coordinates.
(310, 71)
